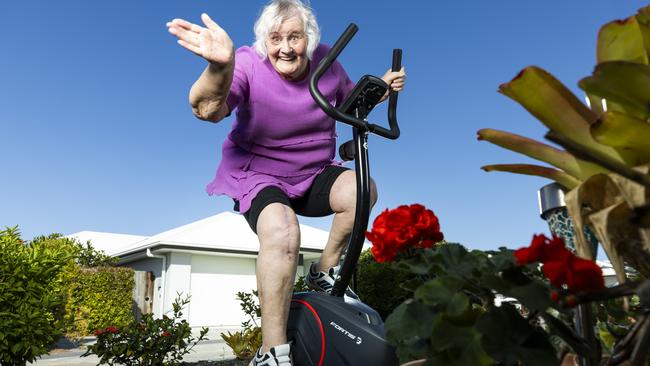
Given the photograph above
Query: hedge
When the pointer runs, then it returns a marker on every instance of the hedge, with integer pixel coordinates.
(379, 284)
(99, 297)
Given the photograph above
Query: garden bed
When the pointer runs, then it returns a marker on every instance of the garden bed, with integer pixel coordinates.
(233, 362)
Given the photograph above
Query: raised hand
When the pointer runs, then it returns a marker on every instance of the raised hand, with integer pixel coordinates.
(210, 42)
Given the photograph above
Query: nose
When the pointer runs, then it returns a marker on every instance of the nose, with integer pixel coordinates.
(285, 47)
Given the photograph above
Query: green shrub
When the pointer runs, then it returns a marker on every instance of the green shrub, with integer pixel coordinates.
(31, 299)
(148, 342)
(99, 297)
(379, 284)
(247, 341)
(83, 256)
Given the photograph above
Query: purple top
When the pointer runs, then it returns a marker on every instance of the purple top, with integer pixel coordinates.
(280, 136)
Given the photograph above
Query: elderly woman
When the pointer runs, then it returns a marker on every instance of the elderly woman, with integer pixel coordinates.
(278, 160)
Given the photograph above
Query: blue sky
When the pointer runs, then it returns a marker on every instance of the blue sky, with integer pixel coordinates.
(96, 132)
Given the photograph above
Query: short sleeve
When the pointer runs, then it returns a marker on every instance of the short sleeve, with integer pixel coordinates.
(345, 84)
(240, 87)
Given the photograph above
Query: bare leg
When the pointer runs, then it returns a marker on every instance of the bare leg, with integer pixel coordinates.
(343, 200)
(279, 236)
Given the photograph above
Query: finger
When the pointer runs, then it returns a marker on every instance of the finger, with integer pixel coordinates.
(211, 24)
(190, 47)
(183, 23)
(185, 35)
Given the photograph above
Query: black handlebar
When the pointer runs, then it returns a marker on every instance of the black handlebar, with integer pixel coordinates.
(338, 115)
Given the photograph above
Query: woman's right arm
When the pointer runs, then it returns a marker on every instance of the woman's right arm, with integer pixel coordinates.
(208, 94)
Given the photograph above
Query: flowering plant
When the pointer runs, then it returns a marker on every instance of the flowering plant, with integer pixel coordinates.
(401, 229)
(472, 307)
(147, 342)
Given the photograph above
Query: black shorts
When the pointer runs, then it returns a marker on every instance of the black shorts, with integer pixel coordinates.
(314, 203)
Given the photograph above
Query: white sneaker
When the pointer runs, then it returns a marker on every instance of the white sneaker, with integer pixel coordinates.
(324, 282)
(276, 356)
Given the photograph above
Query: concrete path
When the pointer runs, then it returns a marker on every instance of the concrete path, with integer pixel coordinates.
(214, 349)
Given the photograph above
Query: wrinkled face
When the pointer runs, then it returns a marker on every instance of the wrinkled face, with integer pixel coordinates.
(287, 49)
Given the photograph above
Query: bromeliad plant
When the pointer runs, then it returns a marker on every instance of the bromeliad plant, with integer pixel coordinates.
(606, 162)
(248, 340)
(149, 342)
(245, 342)
(605, 166)
(489, 308)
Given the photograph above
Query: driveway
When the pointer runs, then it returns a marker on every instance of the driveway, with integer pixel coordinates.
(210, 350)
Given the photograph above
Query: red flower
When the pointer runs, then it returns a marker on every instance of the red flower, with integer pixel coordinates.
(404, 227)
(542, 249)
(98, 332)
(165, 333)
(533, 253)
(560, 265)
(556, 272)
(585, 275)
(111, 330)
(556, 251)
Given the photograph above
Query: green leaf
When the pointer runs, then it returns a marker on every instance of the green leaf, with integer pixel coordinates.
(410, 319)
(443, 294)
(555, 106)
(560, 159)
(409, 328)
(555, 175)
(502, 259)
(623, 131)
(511, 340)
(514, 283)
(454, 260)
(419, 264)
(458, 345)
(621, 40)
(621, 82)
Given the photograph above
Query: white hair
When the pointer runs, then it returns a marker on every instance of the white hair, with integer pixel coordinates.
(278, 11)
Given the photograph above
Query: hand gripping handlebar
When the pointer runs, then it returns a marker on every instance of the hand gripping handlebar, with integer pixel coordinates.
(339, 115)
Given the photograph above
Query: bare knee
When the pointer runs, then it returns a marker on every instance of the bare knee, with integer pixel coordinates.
(343, 195)
(278, 231)
(373, 193)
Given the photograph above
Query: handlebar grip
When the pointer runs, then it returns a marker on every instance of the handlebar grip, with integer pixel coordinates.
(392, 97)
(397, 59)
(340, 44)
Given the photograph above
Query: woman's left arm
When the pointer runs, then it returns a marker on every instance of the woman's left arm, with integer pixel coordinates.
(395, 81)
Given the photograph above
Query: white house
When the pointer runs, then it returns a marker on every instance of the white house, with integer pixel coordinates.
(210, 259)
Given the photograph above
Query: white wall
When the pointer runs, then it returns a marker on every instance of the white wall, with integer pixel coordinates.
(177, 280)
(215, 282)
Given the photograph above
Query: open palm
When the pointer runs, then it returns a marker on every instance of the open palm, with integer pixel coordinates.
(210, 42)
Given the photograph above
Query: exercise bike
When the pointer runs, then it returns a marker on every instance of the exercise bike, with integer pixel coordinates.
(328, 329)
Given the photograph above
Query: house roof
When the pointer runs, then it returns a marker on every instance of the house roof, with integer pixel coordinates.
(606, 267)
(110, 243)
(226, 231)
